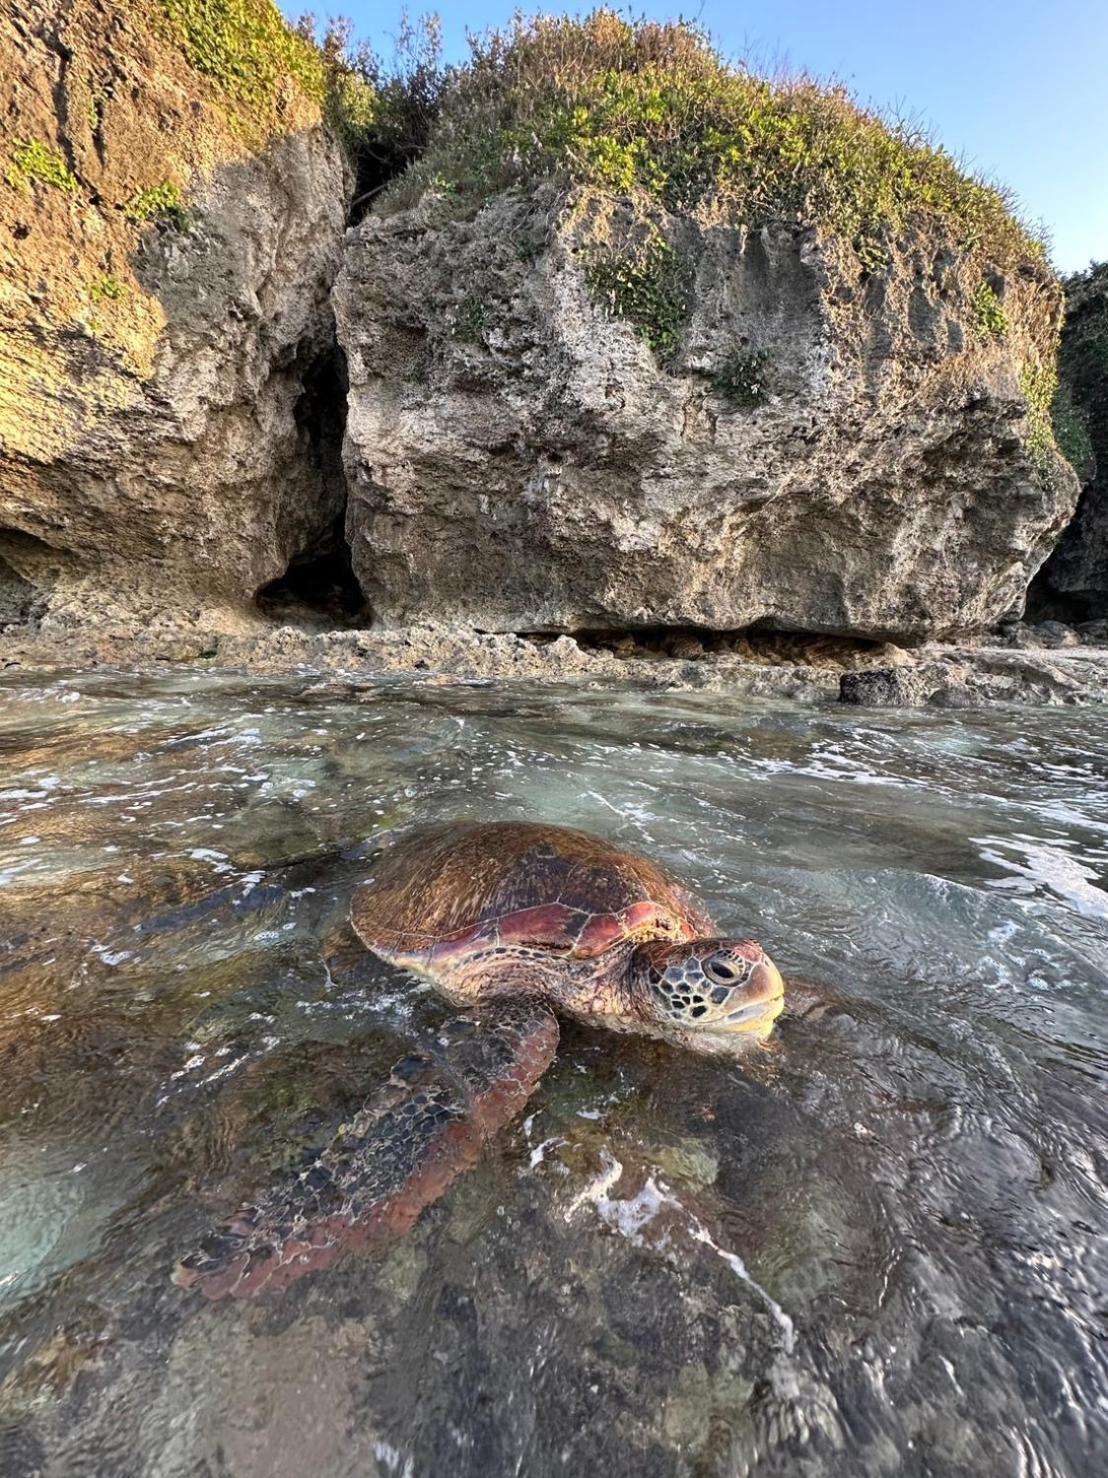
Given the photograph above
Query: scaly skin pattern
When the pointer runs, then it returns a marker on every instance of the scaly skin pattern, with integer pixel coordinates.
(499, 909)
(400, 1153)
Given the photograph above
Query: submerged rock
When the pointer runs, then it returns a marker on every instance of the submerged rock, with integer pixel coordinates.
(828, 448)
(167, 253)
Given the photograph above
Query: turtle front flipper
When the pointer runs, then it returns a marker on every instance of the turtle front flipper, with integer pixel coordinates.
(397, 1155)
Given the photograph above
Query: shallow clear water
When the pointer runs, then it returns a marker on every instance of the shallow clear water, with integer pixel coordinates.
(877, 1246)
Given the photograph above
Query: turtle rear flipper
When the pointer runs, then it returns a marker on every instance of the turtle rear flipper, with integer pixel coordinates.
(396, 1156)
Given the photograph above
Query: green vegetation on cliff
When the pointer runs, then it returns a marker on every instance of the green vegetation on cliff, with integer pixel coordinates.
(650, 288)
(652, 109)
(254, 55)
(35, 162)
(1081, 405)
(988, 312)
(247, 48)
(161, 202)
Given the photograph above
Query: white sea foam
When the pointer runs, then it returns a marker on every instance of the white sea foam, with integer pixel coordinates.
(630, 1218)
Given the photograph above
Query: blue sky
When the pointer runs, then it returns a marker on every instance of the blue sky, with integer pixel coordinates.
(1020, 89)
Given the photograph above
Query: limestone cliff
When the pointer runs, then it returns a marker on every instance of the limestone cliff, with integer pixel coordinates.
(637, 340)
(172, 215)
(797, 438)
(1074, 581)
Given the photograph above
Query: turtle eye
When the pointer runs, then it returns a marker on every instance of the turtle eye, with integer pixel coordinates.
(723, 971)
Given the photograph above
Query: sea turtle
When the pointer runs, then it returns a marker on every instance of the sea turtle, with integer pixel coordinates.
(519, 922)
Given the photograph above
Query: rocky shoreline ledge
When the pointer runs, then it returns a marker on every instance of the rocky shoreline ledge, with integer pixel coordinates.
(291, 388)
(1048, 665)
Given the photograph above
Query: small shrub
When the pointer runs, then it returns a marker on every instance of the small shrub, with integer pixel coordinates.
(988, 313)
(34, 162)
(161, 203)
(649, 287)
(1038, 382)
(469, 321)
(106, 288)
(741, 378)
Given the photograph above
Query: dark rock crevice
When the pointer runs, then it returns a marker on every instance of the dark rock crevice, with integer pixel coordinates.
(318, 586)
(1072, 585)
(695, 643)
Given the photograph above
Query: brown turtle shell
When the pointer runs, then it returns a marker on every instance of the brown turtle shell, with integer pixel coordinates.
(445, 891)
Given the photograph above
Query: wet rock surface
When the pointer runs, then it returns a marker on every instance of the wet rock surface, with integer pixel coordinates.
(823, 670)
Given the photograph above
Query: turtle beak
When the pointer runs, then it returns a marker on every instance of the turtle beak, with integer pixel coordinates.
(765, 983)
(762, 1001)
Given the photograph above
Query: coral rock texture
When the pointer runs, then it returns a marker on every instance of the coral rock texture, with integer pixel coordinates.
(166, 260)
(826, 448)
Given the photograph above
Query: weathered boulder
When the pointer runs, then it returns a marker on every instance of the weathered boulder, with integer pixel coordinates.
(827, 447)
(881, 687)
(169, 241)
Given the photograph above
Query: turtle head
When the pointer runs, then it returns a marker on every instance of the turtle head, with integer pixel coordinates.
(713, 995)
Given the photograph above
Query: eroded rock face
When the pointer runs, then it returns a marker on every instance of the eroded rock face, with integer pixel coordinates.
(518, 459)
(1074, 581)
(155, 453)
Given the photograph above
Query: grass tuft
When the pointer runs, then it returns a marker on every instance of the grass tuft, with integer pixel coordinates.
(35, 162)
(469, 321)
(160, 203)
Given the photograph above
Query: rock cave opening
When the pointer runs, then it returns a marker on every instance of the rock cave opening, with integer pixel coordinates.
(1058, 592)
(319, 588)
